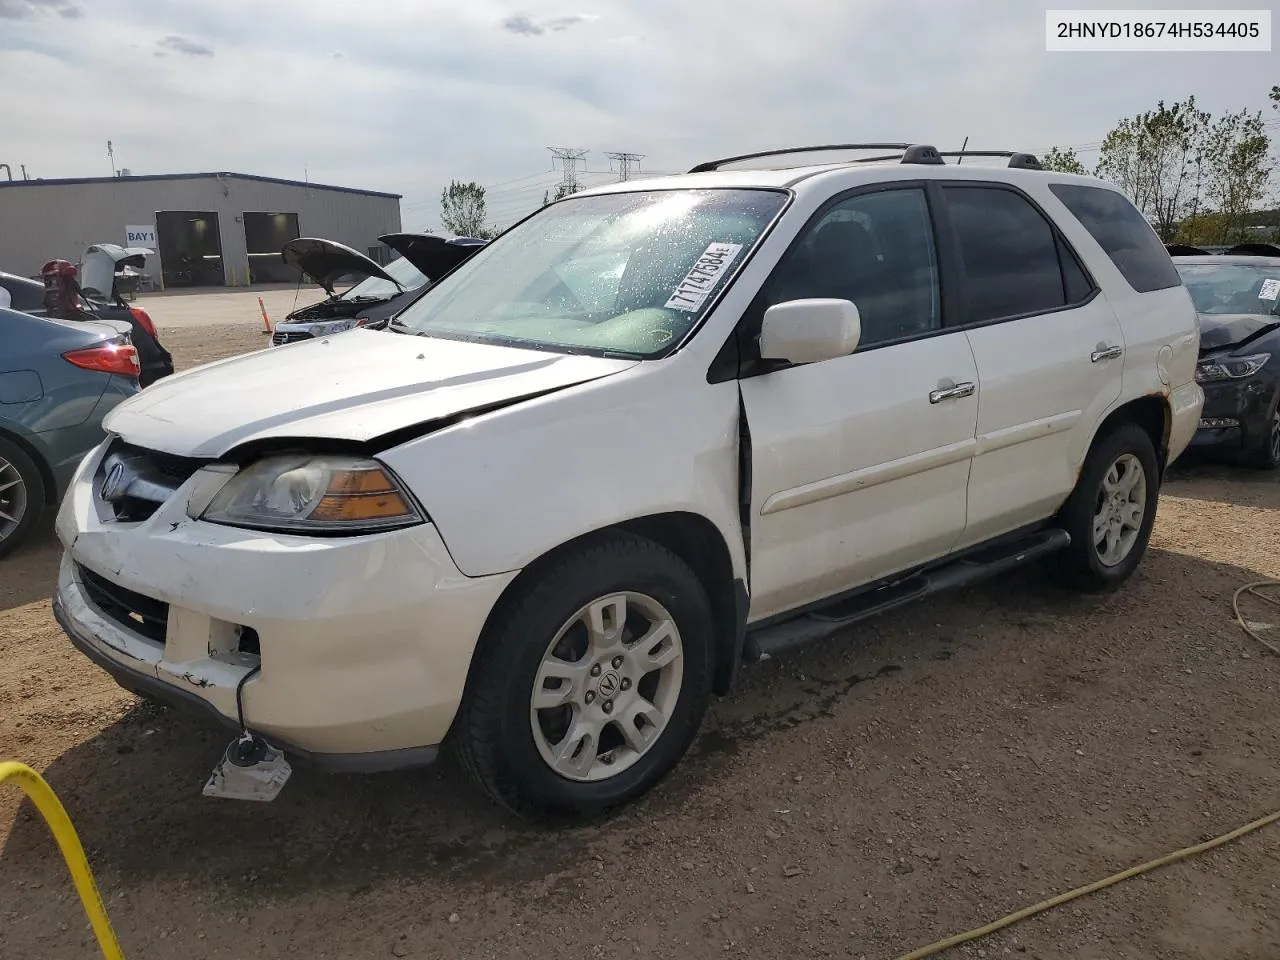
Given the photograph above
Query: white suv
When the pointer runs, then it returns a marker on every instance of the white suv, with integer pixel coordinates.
(650, 433)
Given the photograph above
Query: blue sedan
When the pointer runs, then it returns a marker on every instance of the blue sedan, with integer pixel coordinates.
(57, 381)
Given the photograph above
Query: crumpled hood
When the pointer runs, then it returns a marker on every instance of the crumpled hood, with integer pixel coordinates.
(1218, 330)
(352, 386)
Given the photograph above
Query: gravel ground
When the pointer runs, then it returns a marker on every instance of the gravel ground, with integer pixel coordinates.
(937, 768)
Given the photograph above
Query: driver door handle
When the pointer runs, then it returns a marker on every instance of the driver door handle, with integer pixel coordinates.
(953, 393)
(1105, 353)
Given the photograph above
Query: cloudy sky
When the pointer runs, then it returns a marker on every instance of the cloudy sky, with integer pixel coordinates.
(403, 95)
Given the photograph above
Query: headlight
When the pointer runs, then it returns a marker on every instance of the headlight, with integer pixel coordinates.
(314, 494)
(336, 326)
(1230, 368)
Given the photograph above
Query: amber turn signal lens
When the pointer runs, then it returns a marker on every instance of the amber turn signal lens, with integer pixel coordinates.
(355, 495)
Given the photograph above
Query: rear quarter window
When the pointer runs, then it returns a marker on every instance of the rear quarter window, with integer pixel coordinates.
(1123, 233)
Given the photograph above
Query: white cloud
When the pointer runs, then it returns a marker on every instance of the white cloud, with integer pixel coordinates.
(427, 91)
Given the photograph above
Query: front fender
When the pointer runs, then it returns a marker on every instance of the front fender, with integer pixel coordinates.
(507, 487)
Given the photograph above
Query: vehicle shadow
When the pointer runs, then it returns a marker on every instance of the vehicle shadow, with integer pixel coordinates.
(30, 573)
(133, 790)
(1195, 478)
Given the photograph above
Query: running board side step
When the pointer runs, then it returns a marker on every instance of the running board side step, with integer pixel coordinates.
(815, 624)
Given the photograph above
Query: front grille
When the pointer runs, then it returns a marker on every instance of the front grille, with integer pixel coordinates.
(134, 481)
(281, 337)
(133, 611)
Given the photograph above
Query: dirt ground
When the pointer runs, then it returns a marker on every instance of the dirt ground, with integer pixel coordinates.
(937, 768)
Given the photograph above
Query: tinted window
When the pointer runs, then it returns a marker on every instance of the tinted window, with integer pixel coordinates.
(1009, 251)
(1123, 233)
(1075, 282)
(876, 250)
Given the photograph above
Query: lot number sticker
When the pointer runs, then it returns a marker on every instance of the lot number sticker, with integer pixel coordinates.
(1270, 290)
(698, 283)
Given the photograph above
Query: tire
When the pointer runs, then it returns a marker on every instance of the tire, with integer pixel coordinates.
(22, 496)
(1265, 454)
(539, 641)
(1092, 566)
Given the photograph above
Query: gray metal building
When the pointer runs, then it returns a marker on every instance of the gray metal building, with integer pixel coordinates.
(208, 229)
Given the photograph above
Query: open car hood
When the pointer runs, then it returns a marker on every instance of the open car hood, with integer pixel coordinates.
(434, 256)
(326, 261)
(1219, 330)
(100, 263)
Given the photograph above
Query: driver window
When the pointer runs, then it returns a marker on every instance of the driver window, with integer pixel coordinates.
(876, 250)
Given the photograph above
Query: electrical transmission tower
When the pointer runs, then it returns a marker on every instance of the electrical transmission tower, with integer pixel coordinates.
(625, 160)
(568, 158)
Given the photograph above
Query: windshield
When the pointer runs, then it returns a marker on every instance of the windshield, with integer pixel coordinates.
(405, 273)
(1218, 288)
(624, 272)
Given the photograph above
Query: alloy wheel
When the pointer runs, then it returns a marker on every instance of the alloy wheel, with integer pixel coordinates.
(1120, 509)
(607, 686)
(13, 498)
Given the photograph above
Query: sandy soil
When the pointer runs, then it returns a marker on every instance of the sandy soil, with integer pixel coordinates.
(937, 768)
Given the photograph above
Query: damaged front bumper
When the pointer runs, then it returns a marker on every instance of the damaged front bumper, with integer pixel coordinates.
(361, 645)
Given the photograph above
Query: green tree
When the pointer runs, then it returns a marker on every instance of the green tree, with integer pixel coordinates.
(1157, 158)
(1062, 160)
(1238, 170)
(562, 190)
(462, 210)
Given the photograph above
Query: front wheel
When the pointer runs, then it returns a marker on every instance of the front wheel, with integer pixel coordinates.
(591, 682)
(1265, 453)
(1111, 511)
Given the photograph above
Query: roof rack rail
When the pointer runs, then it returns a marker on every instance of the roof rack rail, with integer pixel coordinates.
(1018, 161)
(921, 153)
(717, 164)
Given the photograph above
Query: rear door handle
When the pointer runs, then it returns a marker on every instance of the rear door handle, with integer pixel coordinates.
(952, 393)
(1105, 353)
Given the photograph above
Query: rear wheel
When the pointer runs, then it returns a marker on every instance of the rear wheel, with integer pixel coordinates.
(1111, 511)
(591, 682)
(22, 496)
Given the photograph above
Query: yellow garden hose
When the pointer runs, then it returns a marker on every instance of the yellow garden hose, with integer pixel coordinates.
(50, 807)
(935, 948)
(1253, 589)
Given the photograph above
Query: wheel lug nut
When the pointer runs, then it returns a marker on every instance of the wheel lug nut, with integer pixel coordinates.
(595, 670)
(617, 662)
(626, 683)
(590, 697)
(608, 706)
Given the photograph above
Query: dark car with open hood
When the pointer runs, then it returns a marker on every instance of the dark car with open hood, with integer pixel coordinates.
(379, 292)
(1237, 297)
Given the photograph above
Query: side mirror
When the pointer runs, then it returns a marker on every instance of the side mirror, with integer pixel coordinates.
(807, 331)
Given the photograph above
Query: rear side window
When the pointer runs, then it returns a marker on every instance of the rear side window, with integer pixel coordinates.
(1123, 233)
(1010, 254)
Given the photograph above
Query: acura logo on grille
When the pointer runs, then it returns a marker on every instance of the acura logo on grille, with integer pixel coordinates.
(114, 486)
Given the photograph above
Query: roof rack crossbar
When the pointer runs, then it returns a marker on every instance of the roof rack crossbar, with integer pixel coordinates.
(717, 164)
(1024, 161)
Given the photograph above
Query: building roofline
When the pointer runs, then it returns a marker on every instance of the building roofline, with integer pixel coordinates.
(68, 181)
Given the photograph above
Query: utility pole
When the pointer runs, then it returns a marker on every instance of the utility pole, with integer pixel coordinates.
(568, 158)
(24, 171)
(112, 154)
(625, 160)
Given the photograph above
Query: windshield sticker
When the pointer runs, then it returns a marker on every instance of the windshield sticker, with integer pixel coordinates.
(698, 283)
(1270, 290)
